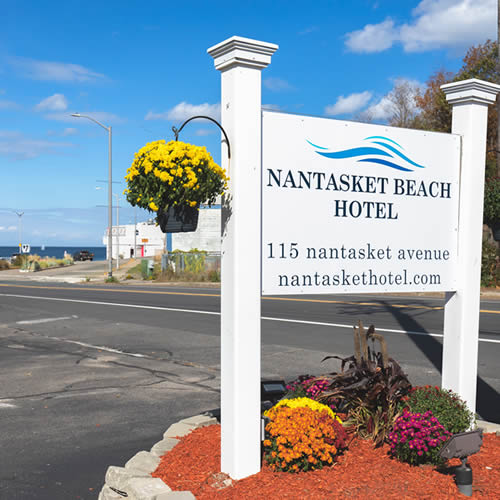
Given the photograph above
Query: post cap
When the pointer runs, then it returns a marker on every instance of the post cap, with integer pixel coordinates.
(469, 91)
(239, 51)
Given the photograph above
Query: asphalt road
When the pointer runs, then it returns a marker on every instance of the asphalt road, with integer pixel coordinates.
(91, 374)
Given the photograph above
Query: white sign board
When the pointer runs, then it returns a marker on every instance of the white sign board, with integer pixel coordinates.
(351, 207)
(25, 248)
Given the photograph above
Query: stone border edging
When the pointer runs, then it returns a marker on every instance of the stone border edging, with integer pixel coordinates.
(134, 481)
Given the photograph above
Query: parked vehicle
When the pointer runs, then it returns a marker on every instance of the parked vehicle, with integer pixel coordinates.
(83, 255)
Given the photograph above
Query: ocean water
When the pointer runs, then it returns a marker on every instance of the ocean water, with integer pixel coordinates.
(57, 252)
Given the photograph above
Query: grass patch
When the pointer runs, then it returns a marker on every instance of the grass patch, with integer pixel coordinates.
(202, 276)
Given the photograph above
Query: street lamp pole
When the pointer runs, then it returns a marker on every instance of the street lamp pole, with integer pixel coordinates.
(117, 230)
(20, 230)
(135, 233)
(110, 193)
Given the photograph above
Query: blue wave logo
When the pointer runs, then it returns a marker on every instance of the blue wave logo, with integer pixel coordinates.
(375, 149)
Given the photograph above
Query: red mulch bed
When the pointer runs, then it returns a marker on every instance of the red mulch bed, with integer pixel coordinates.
(363, 472)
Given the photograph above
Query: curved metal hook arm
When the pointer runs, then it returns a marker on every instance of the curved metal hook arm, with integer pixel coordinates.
(177, 131)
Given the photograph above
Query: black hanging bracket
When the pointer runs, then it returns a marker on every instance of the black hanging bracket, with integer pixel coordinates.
(177, 131)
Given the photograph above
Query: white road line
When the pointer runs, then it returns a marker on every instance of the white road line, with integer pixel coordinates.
(7, 405)
(156, 308)
(44, 320)
(339, 325)
(194, 311)
(98, 347)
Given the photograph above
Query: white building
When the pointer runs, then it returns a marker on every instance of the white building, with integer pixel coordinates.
(145, 239)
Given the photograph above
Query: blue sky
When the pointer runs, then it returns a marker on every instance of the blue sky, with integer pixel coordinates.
(142, 67)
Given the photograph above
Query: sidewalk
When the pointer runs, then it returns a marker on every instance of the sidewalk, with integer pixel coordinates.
(80, 272)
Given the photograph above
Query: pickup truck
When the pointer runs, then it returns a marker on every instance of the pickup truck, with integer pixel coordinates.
(83, 255)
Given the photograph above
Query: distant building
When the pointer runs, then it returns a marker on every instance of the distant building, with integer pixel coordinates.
(145, 239)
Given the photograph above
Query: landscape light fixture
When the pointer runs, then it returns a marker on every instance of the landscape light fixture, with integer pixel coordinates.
(110, 192)
(272, 390)
(461, 446)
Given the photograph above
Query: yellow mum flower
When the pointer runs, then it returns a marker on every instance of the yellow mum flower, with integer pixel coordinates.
(305, 403)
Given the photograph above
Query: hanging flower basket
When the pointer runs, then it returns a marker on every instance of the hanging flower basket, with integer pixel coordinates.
(173, 179)
(178, 219)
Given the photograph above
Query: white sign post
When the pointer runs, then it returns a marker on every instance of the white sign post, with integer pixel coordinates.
(470, 100)
(240, 61)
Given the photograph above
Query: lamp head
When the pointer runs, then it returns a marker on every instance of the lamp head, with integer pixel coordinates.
(272, 390)
(76, 115)
(462, 445)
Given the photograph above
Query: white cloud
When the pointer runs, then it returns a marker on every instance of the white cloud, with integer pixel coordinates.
(56, 102)
(4, 104)
(2, 228)
(202, 132)
(21, 147)
(12, 228)
(385, 108)
(101, 116)
(381, 110)
(272, 107)
(276, 84)
(450, 23)
(372, 38)
(184, 110)
(54, 71)
(349, 104)
(437, 24)
(69, 131)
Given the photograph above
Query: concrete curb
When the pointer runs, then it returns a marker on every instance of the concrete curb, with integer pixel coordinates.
(134, 481)
(488, 427)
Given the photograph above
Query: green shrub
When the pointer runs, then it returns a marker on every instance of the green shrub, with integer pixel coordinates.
(214, 276)
(445, 405)
(492, 200)
(111, 279)
(19, 261)
(4, 264)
